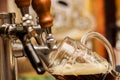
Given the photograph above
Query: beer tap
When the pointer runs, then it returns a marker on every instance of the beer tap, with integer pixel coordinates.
(27, 45)
(42, 8)
(23, 5)
(26, 29)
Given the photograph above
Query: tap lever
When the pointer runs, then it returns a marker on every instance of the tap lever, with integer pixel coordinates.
(51, 42)
(33, 57)
(42, 8)
(28, 24)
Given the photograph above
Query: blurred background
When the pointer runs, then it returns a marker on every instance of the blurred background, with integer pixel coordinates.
(74, 18)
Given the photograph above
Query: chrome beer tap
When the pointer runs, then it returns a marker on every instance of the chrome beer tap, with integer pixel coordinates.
(25, 30)
(42, 8)
(27, 24)
(21, 32)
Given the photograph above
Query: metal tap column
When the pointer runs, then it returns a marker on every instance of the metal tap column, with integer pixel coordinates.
(7, 61)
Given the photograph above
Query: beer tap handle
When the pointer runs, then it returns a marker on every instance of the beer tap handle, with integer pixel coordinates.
(27, 45)
(33, 57)
(42, 8)
(23, 5)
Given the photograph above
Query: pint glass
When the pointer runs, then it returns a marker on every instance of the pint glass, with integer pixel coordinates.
(74, 61)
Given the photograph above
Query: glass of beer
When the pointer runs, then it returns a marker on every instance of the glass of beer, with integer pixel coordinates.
(74, 61)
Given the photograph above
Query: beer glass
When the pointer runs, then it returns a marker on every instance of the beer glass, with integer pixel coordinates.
(74, 61)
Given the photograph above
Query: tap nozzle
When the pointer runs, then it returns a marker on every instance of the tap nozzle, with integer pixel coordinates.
(50, 40)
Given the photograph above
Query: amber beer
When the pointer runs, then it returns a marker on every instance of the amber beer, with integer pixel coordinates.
(82, 72)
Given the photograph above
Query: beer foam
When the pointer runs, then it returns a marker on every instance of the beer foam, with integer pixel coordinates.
(80, 69)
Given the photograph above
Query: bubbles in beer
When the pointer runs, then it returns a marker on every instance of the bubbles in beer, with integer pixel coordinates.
(81, 63)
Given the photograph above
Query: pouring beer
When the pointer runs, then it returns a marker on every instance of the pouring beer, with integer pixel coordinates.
(74, 61)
